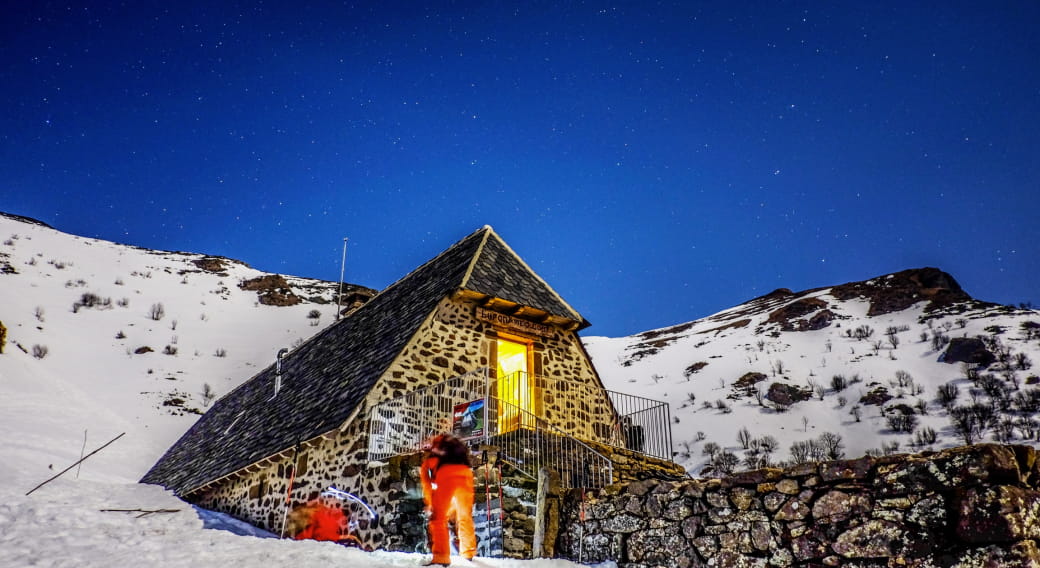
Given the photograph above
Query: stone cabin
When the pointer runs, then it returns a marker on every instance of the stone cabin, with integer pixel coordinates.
(472, 341)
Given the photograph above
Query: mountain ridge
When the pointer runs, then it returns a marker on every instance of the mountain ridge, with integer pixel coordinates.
(772, 356)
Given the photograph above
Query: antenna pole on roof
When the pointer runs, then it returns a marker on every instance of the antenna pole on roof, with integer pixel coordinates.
(342, 269)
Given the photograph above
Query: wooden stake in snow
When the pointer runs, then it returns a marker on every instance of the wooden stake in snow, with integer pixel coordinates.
(75, 464)
(144, 512)
(81, 450)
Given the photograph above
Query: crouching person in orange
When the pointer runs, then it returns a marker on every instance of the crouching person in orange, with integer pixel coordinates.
(322, 520)
(447, 482)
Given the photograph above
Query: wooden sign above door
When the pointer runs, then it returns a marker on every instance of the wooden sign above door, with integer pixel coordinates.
(513, 323)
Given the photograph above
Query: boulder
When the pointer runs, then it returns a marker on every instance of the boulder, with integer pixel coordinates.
(968, 350)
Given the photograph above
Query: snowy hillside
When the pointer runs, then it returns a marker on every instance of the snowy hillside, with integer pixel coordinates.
(107, 338)
(103, 338)
(796, 376)
(74, 374)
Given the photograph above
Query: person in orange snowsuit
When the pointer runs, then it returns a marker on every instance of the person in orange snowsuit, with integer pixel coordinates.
(321, 521)
(447, 483)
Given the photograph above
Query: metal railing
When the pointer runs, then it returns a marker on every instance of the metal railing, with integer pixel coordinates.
(527, 416)
(400, 425)
(643, 425)
(530, 443)
(632, 422)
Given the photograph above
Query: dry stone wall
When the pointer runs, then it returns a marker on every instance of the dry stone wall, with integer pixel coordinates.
(966, 507)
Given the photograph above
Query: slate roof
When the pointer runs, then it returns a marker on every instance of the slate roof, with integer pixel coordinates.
(499, 272)
(325, 379)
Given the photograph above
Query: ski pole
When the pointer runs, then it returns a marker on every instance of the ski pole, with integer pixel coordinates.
(487, 493)
(288, 493)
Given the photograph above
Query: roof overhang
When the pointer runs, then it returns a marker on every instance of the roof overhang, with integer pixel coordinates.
(518, 310)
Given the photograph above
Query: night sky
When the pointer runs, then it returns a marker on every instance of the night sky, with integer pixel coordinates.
(655, 163)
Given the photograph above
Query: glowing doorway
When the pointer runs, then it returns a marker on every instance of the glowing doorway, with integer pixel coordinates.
(514, 388)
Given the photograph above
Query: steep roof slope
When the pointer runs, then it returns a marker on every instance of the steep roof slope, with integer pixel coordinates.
(325, 379)
(499, 272)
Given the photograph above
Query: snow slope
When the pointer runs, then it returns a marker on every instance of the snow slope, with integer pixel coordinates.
(91, 378)
(91, 386)
(694, 366)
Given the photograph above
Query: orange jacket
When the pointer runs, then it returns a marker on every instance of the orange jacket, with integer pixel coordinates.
(325, 524)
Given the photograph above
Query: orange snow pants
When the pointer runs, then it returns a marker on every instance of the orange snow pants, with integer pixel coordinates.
(452, 499)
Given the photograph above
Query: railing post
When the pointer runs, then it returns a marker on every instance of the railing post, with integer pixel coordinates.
(487, 403)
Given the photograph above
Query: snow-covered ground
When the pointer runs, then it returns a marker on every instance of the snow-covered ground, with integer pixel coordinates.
(91, 386)
(71, 522)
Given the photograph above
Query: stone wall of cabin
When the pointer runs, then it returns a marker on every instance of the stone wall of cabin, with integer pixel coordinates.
(976, 506)
(257, 494)
(450, 343)
(453, 342)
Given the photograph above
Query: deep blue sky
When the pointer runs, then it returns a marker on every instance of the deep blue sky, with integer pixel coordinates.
(654, 163)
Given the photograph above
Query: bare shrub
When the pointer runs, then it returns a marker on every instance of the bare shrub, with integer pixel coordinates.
(833, 446)
(744, 437)
(91, 300)
(710, 449)
(900, 422)
(157, 311)
(926, 436)
(863, 332)
(220, 352)
(904, 379)
(207, 394)
(939, 340)
(856, 412)
(39, 351)
(170, 350)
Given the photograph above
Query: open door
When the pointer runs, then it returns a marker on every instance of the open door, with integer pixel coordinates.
(514, 386)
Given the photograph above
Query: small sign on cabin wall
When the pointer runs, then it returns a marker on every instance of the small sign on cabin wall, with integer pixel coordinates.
(513, 323)
(468, 419)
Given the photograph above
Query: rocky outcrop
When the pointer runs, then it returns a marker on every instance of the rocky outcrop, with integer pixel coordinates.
(272, 290)
(968, 350)
(213, 264)
(792, 316)
(970, 506)
(786, 395)
(899, 291)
